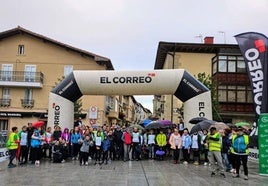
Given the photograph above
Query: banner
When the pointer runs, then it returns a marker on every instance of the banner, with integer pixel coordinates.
(263, 144)
(254, 50)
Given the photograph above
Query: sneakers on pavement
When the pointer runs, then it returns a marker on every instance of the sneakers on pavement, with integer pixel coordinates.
(236, 176)
(246, 178)
(213, 174)
(223, 175)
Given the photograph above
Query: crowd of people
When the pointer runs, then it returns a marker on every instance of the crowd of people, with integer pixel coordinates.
(223, 150)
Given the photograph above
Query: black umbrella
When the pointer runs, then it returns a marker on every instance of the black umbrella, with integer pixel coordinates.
(197, 120)
(154, 125)
(202, 125)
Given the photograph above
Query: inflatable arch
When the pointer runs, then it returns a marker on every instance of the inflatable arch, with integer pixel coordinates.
(178, 82)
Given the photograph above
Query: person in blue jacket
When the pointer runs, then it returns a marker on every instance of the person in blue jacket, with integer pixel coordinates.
(105, 149)
(75, 138)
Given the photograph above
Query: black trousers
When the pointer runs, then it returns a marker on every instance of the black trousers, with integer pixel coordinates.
(36, 153)
(186, 154)
(244, 159)
(12, 155)
(83, 157)
(24, 153)
(176, 153)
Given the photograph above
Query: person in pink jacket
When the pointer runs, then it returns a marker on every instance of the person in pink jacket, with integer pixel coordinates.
(175, 141)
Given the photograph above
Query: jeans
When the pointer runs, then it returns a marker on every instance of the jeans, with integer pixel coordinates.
(226, 161)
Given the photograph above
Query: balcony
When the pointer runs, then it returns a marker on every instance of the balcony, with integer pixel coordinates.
(21, 79)
(5, 102)
(27, 103)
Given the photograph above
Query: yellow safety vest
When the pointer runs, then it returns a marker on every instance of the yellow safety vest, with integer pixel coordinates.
(214, 145)
(13, 144)
(246, 138)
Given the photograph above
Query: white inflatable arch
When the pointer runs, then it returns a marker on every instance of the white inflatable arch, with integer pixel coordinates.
(178, 82)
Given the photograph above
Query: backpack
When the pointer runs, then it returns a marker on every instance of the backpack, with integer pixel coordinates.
(239, 144)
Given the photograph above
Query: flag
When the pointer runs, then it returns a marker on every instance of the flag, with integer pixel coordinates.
(254, 48)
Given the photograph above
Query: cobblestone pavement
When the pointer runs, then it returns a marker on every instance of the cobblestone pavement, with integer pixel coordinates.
(138, 173)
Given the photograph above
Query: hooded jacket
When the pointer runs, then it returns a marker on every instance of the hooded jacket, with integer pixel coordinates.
(66, 135)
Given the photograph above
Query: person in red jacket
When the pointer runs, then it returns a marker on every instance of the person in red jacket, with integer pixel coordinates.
(127, 139)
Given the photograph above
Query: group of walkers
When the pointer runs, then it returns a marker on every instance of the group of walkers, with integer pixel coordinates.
(223, 150)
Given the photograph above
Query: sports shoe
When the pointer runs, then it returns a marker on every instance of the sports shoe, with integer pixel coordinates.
(86, 164)
(73, 158)
(246, 178)
(196, 163)
(185, 162)
(37, 162)
(223, 175)
(205, 164)
(63, 161)
(11, 165)
(213, 174)
(236, 176)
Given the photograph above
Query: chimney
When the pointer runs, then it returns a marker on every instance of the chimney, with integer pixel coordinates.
(208, 40)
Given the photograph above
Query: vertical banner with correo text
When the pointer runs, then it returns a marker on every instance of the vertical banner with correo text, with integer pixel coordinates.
(254, 48)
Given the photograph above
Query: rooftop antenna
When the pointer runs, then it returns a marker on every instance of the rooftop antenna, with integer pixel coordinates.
(224, 35)
(200, 37)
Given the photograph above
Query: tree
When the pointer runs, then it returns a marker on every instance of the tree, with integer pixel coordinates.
(211, 84)
(77, 104)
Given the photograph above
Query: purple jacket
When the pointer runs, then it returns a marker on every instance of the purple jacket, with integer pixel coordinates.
(65, 134)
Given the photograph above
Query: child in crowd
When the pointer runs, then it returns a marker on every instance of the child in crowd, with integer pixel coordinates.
(84, 150)
(186, 145)
(98, 143)
(23, 135)
(105, 149)
(36, 147)
(151, 144)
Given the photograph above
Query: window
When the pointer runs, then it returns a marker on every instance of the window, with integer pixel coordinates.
(222, 93)
(5, 96)
(241, 66)
(110, 101)
(21, 49)
(238, 94)
(231, 66)
(214, 67)
(7, 70)
(228, 64)
(67, 70)
(28, 96)
(222, 66)
(3, 132)
(29, 73)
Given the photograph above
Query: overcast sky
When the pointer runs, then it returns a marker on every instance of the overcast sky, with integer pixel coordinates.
(128, 31)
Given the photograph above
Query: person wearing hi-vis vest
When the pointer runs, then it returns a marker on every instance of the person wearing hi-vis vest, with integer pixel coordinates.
(12, 146)
(240, 143)
(214, 153)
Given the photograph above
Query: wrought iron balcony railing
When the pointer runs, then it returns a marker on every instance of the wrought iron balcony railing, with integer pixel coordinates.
(27, 103)
(21, 77)
(5, 102)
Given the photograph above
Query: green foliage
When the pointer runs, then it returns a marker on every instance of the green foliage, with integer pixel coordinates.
(77, 104)
(208, 81)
